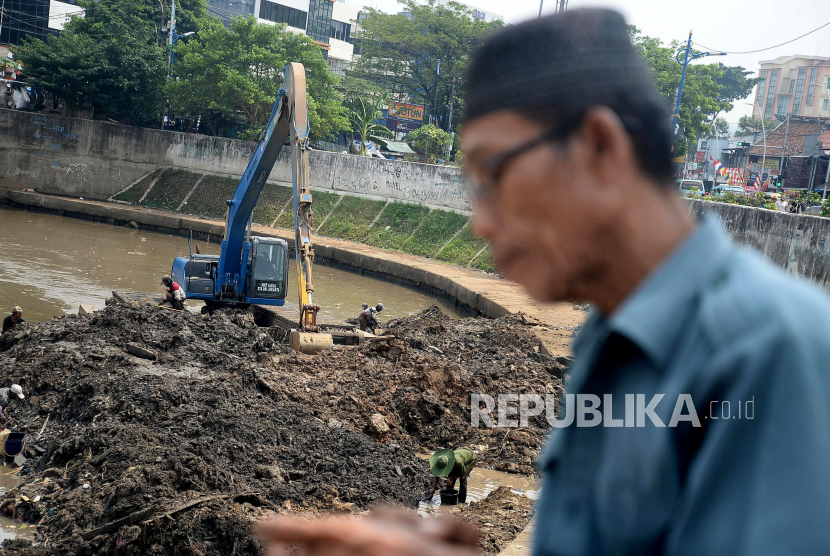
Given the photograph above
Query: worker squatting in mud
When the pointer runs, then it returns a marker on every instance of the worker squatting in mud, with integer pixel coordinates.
(451, 465)
(174, 294)
(368, 319)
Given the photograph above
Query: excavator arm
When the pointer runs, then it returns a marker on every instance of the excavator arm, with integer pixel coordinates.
(295, 80)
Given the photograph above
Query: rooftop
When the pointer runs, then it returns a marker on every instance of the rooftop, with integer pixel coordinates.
(800, 129)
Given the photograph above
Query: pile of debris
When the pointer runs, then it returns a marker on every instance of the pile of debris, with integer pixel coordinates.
(157, 432)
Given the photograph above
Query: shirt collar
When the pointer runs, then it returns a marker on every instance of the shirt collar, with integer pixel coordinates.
(652, 316)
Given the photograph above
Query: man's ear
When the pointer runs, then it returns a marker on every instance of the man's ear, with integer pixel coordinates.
(609, 151)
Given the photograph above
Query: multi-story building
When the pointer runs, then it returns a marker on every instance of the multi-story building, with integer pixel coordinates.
(34, 19)
(797, 85)
(329, 23)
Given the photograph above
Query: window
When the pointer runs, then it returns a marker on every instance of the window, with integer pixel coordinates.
(824, 105)
(799, 89)
(341, 31)
(282, 14)
(810, 87)
(319, 20)
(761, 84)
(24, 19)
(792, 85)
(783, 104)
(770, 93)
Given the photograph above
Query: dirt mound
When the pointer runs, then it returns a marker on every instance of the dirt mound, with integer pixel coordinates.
(416, 389)
(499, 518)
(176, 454)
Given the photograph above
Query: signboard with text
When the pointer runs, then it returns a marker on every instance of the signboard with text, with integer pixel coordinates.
(394, 124)
(402, 111)
(699, 156)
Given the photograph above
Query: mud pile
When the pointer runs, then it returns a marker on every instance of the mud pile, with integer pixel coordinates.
(499, 518)
(178, 455)
(416, 389)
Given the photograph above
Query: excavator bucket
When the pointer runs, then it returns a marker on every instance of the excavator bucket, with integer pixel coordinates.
(310, 342)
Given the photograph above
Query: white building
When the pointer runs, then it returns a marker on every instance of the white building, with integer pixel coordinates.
(478, 13)
(329, 23)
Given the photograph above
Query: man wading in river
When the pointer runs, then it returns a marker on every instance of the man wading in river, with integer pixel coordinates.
(567, 145)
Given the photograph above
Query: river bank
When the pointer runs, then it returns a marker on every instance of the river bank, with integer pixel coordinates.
(481, 293)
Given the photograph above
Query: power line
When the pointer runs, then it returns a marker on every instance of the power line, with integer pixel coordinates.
(769, 47)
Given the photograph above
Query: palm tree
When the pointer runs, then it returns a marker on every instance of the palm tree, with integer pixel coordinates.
(362, 115)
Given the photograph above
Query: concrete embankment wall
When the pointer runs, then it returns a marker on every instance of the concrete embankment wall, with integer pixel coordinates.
(95, 159)
(798, 243)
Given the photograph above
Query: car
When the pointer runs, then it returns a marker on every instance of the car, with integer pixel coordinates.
(687, 187)
(720, 190)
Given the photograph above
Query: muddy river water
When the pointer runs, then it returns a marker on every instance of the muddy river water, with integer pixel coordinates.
(51, 264)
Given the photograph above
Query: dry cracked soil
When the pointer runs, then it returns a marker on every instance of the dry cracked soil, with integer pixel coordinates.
(179, 455)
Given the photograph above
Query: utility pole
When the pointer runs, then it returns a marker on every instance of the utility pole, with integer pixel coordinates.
(449, 123)
(540, 7)
(171, 32)
(2, 13)
(784, 150)
(435, 101)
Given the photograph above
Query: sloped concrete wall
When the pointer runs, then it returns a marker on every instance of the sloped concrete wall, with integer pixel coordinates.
(796, 242)
(96, 159)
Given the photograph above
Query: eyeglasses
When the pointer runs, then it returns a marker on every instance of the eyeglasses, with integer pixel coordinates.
(485, 183)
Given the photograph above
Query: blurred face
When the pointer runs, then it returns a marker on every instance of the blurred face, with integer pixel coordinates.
(547, 212)
(16, 316)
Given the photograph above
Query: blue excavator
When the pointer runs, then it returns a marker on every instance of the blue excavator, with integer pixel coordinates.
(252, 271)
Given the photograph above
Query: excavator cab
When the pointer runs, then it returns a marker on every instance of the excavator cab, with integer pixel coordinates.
(269, 269)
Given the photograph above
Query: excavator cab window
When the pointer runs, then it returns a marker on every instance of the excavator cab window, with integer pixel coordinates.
(270, 272)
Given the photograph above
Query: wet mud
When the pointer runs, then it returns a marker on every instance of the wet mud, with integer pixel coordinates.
(178, 451)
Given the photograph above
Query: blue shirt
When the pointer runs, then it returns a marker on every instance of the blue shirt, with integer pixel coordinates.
(726, 327)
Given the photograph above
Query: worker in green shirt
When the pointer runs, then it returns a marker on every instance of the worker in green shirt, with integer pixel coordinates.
(452, 465)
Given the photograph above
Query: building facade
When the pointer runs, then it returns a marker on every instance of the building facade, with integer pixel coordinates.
(329, 23)
(793, 85)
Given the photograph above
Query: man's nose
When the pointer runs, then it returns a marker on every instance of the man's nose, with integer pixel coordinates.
(483, 221)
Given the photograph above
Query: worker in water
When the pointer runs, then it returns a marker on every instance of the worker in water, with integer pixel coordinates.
(567, 151)
(174, 293)
(368, 319)
(14, 319)
(451, 465)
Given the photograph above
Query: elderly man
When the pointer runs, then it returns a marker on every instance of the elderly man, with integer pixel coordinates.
(702, 416)
(14, 319)
(9, 396)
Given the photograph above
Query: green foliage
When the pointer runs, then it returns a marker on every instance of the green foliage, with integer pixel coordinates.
(236, 73)
(800, 200)
(748, 125)
(133, 194)
(708, 89)
(721, 128)
(435, 230)
(401, 52)
(110, 60)
(271, 202)
(753, 200)
(362, 116)
(395, 224)
(170, 189)
(210, 198)
(351, 218)
(485, 261)
(462, 248)
(429, 140)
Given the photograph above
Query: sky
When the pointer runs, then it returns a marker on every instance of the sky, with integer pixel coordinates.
(727, 25)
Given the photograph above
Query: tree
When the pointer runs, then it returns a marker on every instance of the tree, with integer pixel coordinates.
(363, 118)
(707, 90)
(429, 140)
(748, 125)
(237, 72)
(721, 128)
(108, 60)
(401, 52)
